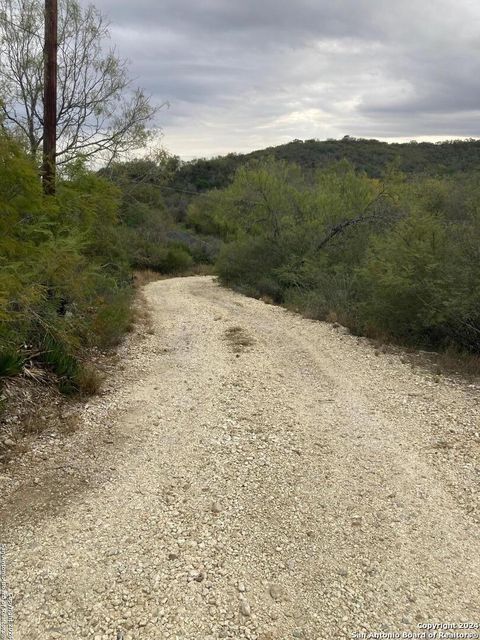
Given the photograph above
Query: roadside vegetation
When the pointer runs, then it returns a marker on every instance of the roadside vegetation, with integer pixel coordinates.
(383, 238)
(67, 262)
(396, 258)
(64, 276)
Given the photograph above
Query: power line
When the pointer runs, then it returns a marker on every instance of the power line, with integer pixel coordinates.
(204, 193)
(185, 191)
(18, 26)
(190, 193)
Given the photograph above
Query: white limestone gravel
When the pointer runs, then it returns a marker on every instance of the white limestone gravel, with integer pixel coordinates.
(294, 485)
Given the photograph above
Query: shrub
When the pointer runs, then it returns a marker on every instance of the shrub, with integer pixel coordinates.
(56, 355)
(177, 259)
(11, 363)
(399, 260)
(112, 320)
(64, 278)
(88, 381)
(249, 265)
(419, 284)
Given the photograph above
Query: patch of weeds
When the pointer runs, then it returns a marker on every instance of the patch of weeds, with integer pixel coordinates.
(88, 381)
(56, 356)
(464, 364)
(113, 320)
(73, 377)
(11, 364)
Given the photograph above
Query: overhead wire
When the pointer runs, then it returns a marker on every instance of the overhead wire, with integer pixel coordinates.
(18, 26)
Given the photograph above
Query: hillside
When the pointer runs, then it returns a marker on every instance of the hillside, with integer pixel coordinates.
(371, 156)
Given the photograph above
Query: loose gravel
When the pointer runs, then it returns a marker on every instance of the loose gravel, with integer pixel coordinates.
(258, 475)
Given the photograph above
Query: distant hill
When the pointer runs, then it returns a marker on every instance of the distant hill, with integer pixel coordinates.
(371, 156)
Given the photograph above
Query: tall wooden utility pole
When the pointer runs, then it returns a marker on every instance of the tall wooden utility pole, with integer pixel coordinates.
(50, 97)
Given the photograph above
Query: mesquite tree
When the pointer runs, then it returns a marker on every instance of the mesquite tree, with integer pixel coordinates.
(99, 113)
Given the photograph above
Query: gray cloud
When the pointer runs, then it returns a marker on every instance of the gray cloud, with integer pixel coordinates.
(244, 75)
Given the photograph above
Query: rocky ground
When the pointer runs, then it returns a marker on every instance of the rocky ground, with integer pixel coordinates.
(248, 473)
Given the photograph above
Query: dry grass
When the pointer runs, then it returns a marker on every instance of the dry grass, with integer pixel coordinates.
(452, 362)
(331, 317)
(143, 316)
(198, 270)
(145, 276)
(89, 381)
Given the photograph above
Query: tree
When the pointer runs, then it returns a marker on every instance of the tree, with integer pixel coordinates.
(99, 112)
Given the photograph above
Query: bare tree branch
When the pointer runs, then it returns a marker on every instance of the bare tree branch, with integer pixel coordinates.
(364, 216)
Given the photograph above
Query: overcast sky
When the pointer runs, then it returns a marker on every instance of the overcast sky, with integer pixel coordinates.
(245, 74)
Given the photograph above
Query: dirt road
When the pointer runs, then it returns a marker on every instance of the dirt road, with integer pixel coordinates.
(258, 475)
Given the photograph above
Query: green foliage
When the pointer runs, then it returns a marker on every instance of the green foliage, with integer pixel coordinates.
(177, 259)
(64, 276)
(249, 265)
(11, 364)
(421, 281)
(288, 217)
(65, 262)
(394, 258)
(201, 215)
(113, 318)
(151, 236)
(404, 275)
(54, 353)
(369, 156)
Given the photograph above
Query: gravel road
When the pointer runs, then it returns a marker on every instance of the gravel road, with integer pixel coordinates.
(253, 474)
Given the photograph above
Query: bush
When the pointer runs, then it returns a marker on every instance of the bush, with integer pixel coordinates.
(331, 297)
(64, 278)
(419, 284)
(11, 364)
(398, 260)
(249, 265)
(112, 320)
(176, 259)
(56, 355)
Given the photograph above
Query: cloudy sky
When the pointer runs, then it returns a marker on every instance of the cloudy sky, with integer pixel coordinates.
(245, 74)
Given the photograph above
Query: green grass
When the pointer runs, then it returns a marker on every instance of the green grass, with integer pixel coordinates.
(11, 364)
